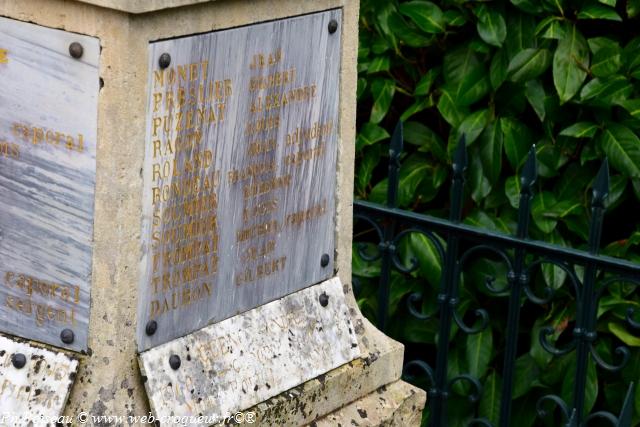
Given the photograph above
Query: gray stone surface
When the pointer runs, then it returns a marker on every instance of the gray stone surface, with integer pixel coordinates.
(48, 127)
(36, 393)
(239, 172)
(246, 359)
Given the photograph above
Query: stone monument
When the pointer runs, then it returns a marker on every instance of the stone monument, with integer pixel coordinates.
(175, 229)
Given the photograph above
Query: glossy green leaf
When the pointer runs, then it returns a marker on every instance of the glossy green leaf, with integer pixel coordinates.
(526, 372)
(524, 411)
(420, 104)
(632, 106)
(554, 276)
(521, 32)
(529, 6)
(489, 406)
(528, 64)
(451, 112)
(362, 86)
(606, 90)
(580, 130)
(406, 33)
(611, 3)
(633, 9)
(426, 15)
(428, 258)
(480, 185)
(606, 61)
(554, 6)
(369, 135)
(383, 91)
(623, 333)
(552, 27)
(479, 350)
(423, 87)
(378, 64)
(570, 62)
(541, 356)
(430, 142)
(412, 172)
(367, 165)
(591, 387)
(542, 211)
(466, 78)
(454, 18)
(473, 125)
(490, 143)
(418, 134)
(598, 11)
(622, 147)
(517, 140)
(492, 27)
(512, 191)
(534, 91)
(631, 54)
(498, 68)
(364, 268)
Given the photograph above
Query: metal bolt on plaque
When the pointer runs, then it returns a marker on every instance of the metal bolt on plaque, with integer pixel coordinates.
(165, 60)
(324, 299)
(67, 336)
(76, 50)
(175, 362)
(152, 327)
(333, 26)
(18, 360)
(324, 260)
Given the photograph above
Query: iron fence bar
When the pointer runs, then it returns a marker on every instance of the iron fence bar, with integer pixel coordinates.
(613, 265)
(447, 298)
(387, 247)
(585, 328)
(517, 279)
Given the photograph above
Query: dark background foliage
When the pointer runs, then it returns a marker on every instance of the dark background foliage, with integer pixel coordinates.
(563, 75)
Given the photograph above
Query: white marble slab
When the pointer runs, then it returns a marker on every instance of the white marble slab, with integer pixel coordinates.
(48, 131)
(246, 359)
(239, 187)
(36, 393)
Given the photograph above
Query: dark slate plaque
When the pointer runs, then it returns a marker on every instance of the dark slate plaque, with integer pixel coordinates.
(48, 127)
(239, 172)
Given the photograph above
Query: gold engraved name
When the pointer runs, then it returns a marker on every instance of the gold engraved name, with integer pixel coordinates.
(37, 135)
(262, 60)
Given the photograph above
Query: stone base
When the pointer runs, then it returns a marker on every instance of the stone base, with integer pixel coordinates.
(380, 364)
(398, 404)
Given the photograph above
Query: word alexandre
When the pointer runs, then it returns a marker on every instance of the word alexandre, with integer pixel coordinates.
(282, 100)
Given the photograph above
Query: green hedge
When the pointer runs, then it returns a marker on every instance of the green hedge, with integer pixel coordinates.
(563, 75)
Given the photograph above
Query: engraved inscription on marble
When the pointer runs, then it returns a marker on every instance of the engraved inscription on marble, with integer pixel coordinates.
(48, 130)
(34, 384)
(239, 171)
(246, 359)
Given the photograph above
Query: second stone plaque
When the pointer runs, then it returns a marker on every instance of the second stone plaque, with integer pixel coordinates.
(239, 171)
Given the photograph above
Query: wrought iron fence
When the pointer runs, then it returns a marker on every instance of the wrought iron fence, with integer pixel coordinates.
(459, 244)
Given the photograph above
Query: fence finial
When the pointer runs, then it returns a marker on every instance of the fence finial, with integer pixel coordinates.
(601, 185)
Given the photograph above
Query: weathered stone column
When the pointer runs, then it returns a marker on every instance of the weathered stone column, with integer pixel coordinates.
(109, 380)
